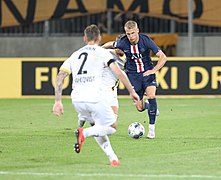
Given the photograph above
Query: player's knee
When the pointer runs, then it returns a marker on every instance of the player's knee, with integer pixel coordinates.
(114, 125)
(140, 107)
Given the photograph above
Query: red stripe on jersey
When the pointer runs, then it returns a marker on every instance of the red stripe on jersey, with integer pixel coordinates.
(138, 61)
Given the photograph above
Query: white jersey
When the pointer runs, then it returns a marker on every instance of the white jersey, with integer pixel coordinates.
(110, 80)
(86, 66)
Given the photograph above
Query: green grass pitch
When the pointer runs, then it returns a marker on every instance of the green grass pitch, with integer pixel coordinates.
(34, 144)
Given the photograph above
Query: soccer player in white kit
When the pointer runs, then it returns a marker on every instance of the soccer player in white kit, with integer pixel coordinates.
(110, 83)
(86, 66)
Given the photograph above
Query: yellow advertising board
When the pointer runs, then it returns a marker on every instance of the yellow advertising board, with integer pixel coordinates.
(34, 77)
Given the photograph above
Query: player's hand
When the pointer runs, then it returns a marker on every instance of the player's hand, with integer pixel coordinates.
(58, 109)
(135, 97)
(149, 72)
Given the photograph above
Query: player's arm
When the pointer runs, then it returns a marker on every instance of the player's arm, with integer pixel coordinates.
(123, 78)
(59, 83)
(108, 45)
(58, 106)
(161, 61)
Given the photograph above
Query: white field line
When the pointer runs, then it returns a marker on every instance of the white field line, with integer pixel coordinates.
(112, 175)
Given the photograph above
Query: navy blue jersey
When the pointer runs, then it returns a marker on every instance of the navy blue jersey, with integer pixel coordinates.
(138, 55)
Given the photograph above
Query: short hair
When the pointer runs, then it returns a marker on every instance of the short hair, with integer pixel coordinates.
(92, 32)
(130, 25)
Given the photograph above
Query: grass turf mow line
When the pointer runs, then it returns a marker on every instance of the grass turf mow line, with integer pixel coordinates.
(113, 175)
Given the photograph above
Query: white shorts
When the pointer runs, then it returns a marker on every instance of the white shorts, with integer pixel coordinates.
(111, 97)
(100, 113)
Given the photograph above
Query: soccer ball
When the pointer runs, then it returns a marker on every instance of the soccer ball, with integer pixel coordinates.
(136, 130)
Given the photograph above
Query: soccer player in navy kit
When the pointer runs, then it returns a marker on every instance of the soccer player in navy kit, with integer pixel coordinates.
(140, 69)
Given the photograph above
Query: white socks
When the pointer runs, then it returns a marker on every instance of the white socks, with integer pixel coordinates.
(104, 143)
(100, 135)
(152, 127)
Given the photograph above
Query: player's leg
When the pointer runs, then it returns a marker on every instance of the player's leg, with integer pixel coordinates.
(82, 118)
(104, 143)
(138, 86)
(152, 110)
(136, 80)
(140, 105)
(83, 115)
(150, 85)
(103, 117)
(146, 105)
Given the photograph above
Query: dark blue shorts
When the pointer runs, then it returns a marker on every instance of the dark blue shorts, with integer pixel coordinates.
(141, 82)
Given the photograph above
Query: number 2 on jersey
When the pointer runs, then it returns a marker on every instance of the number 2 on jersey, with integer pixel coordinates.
(82, 65)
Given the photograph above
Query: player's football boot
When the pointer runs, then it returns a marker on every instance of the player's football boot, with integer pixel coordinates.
(115, 163)
(80, 140)
(151, 135)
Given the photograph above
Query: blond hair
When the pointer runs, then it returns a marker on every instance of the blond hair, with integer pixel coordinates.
(130, 25)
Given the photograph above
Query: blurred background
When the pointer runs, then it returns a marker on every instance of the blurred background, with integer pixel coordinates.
(38, 35)
(54, 28)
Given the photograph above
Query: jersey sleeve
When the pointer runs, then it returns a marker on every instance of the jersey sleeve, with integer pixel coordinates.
(108, 57)
(117, 44)
(152, 45)
(66, 66)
